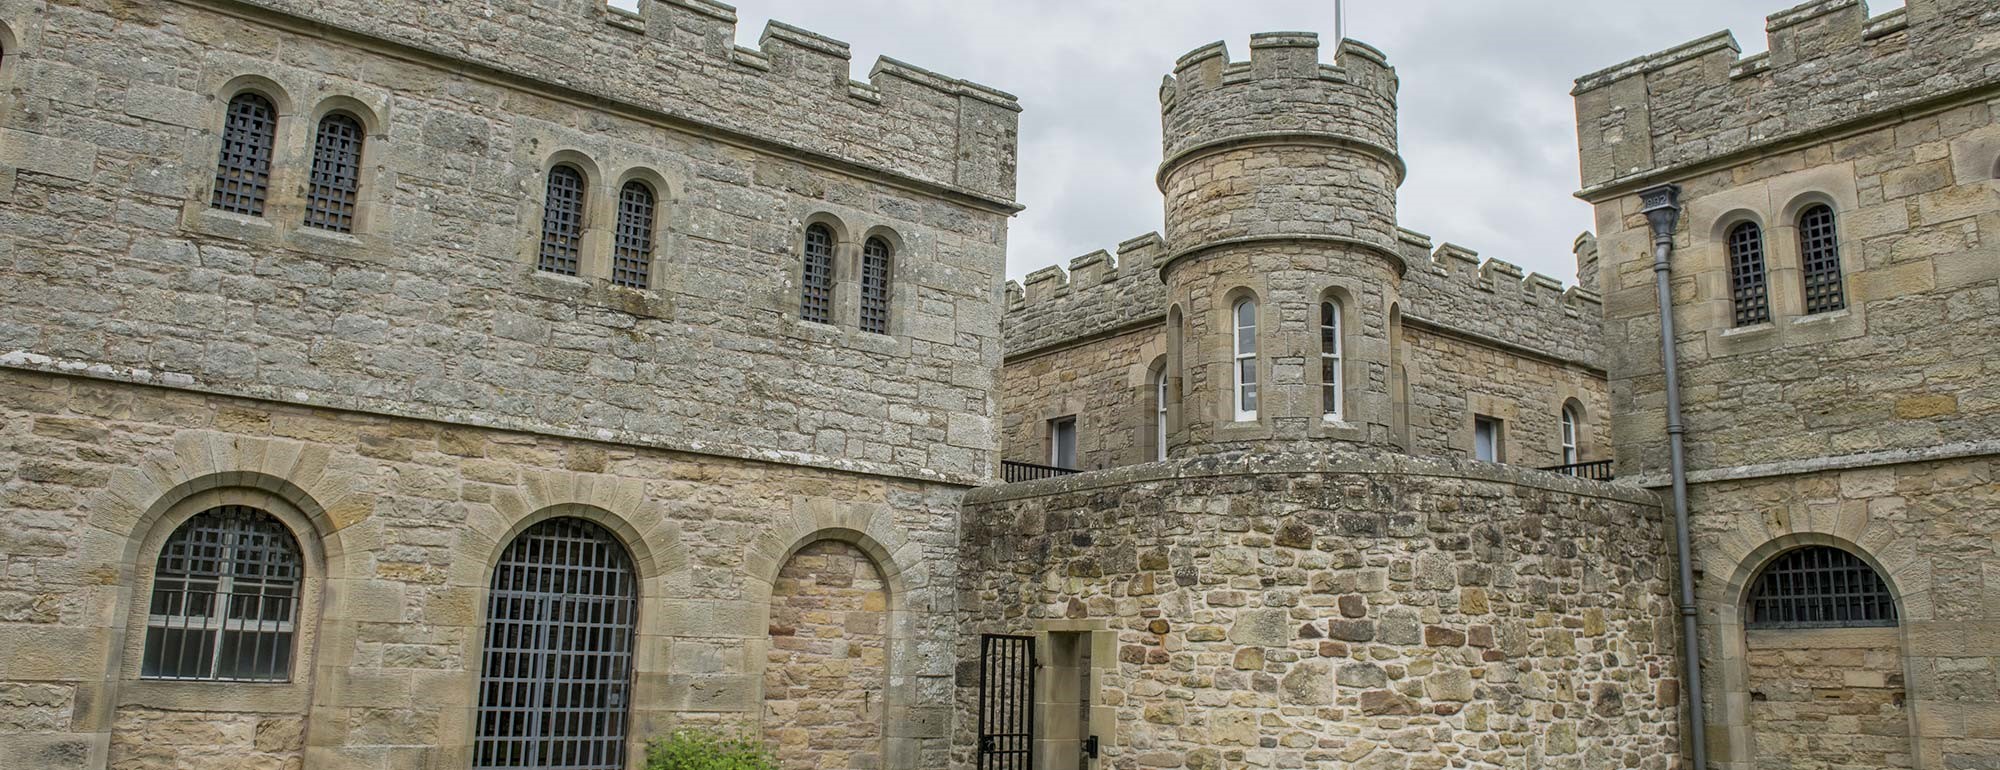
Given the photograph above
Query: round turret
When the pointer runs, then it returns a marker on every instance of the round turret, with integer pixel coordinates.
(1280, 178)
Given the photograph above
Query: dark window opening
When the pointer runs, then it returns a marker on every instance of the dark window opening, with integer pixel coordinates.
(816, 282)
(875, 286)
(562, 221)
(243, 169)
(335, 186)
(632, 258)
(1820, 587)
(225, 599)
(1747, 283)
(1819, 260)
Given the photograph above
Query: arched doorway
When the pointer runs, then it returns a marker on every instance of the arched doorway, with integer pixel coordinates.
(827, 671)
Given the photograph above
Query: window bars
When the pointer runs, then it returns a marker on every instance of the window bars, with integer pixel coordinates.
(335, 184)
(1746, 274)
(1820, 587)
(875, 286)
(816, 282)
(225, 599)
(553, 689)
(1819, 260)
(243, 168)
(562, 221)
(632, 257)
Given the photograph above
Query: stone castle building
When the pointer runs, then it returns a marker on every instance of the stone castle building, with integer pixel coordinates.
(474, 384)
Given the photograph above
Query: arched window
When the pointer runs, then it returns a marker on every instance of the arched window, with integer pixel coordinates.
(1245, 359)
(1160, 412)
(1820, 587)
(335, 185)
(1572, 454)
(562, 221)
(225, 599)
(1746, 274)
(632, 253)
(1819, 260)
(875, 265)
(243, 169)
(554, 688)
(1329, 359)
(816, 282)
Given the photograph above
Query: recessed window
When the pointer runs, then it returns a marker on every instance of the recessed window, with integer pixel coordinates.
(1329, 359)
(1245, 359)
(225, 599)
(875, 264)
(335, 185)
(1820, 587)
(632, 253)
(1747, 284)
(243, 169)
(1062, 442)
(562, 221)
(1819, 260)
(1486, 438)
(816, 280)
(1570, 452)
(1160, 413)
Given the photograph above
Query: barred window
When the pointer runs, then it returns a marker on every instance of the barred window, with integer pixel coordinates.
(243, 169)
(562, 221)
(816, 283)
(1329, 359)
(1746, 274)
(632, 259)
(225, 599)
(875, 286)
(336, 174)
(1819, 258)
(1820, 587)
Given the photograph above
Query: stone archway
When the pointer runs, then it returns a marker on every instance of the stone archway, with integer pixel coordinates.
(826, 677)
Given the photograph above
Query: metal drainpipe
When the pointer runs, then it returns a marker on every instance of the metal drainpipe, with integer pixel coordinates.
(1662, 208)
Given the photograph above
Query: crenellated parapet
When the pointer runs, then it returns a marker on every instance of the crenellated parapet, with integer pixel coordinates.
(1099, 293)
(1448, 286)
(679, 59)
(1829, 64)
(1283, 89)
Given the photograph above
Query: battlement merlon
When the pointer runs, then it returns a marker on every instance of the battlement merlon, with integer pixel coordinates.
(677, 60)
(1830, 67)
(1282, 92)
(1100, 292)
(1448, 286)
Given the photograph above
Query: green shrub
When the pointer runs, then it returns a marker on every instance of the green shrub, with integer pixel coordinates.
(699, 749)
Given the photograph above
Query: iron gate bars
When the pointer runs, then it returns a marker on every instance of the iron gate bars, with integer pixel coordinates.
(558, 661)
(1006, 702)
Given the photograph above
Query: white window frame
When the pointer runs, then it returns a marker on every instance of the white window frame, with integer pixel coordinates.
(1571, 454)
(1160, 414)
(1056, 427)
(1332, 402)
(1486, 448)
(1244, 360)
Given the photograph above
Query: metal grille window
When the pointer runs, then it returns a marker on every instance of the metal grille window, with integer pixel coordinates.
(1746, 274)
(632, 259)
(816, 282)
(225, 599)
(558, 659)
(875, 286)
(562, 221)
(1819, 256)
(1820, 587)
(336, 174)
(1329, 359)
(243, 169)
(1245, 359)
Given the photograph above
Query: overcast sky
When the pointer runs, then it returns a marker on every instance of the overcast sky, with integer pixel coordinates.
(1487, 123)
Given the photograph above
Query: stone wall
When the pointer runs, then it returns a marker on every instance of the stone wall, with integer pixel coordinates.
(1449, 286)
(1828, 697)
(433, 308)
(828, 670)
(1453, 379)
(1357, 608)
(1099, 294)
(401, 521)
(1107, 384)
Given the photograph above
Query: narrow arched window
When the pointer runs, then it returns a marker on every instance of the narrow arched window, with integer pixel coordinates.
(225, 600)
(562, 221)
(1329, 359)
(1245, 359)
(243, 169)
(1572, 454)
(816, 282)
(1746, 274)
(875, 264)
(1160, 412)
(632, 254)
(1820, 587)
(1819, 260)
(335, 186)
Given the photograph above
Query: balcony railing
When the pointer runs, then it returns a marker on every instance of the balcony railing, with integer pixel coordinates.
(1596, 470)
(1011, 471)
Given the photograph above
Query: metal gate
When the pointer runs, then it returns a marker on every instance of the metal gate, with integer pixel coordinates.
(558, 665)
(1006, 702)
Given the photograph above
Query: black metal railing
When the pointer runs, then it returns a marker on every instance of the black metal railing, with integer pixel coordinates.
(1596, 470)
(1011, 471)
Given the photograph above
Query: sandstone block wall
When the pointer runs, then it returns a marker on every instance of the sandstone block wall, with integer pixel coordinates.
(1354, 609)
(1455, 380)
(1107, 384)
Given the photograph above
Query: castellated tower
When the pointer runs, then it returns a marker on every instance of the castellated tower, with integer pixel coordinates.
(1280, 178)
